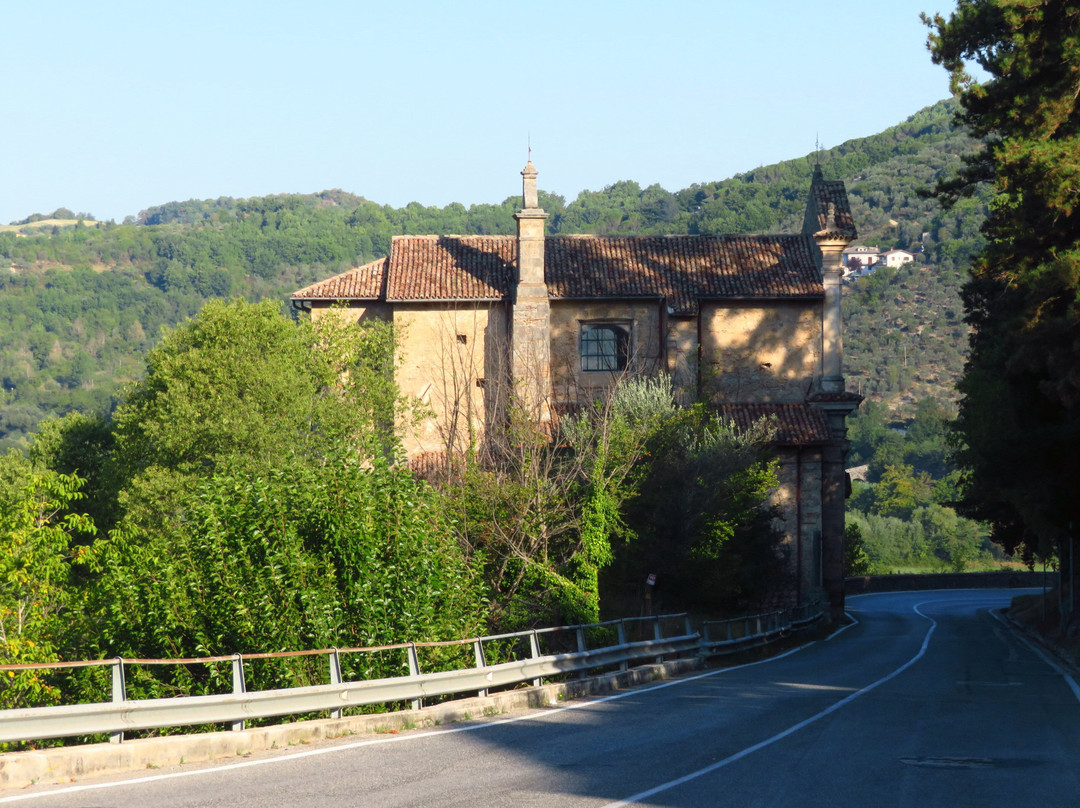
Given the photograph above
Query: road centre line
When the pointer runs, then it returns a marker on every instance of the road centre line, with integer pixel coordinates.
(531, 715)
(686, 778)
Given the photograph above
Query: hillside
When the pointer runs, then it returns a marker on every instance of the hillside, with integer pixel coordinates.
(81, 304)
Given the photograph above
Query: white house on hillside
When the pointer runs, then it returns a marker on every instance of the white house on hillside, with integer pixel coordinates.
(897, 258)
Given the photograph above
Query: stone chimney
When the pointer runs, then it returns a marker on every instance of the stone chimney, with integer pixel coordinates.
(530, 324)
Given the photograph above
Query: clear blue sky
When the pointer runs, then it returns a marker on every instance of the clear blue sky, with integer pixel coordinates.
(112, 107)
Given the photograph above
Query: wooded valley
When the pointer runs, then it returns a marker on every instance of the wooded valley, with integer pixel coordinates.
(84, 301)
(174, 543)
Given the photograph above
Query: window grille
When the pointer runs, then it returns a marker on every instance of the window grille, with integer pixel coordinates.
(605, 346)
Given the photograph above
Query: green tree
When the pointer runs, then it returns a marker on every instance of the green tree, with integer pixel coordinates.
(314, 555)
(258, 504)
(242, 381)
(856, 561)
(539, 517)
(900, 491)
(699, 517)
(1020, 410)
(39, 543)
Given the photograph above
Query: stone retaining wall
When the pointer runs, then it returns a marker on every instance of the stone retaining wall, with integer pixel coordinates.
(1009, 579)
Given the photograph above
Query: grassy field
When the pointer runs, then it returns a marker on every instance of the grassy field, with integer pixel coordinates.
(993, 565)
(33, 227)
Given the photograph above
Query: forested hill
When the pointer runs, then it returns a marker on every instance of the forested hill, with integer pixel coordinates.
(83, 300)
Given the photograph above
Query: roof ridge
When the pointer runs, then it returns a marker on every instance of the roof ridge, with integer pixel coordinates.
(436, 236)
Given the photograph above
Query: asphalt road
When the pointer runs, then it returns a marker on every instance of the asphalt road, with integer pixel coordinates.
(929, 700)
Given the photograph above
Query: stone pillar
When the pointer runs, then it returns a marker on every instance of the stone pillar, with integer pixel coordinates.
(828, 221)
(530, 322)
(833, 496)
(832, 342)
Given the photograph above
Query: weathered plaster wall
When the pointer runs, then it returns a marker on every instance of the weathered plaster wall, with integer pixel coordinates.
(682, 357)
(353, 312)
(754, 352)
(454, 364)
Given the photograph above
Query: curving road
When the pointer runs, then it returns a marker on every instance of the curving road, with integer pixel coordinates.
(928, 700)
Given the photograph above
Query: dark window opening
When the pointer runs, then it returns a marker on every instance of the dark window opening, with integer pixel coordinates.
(605, 346)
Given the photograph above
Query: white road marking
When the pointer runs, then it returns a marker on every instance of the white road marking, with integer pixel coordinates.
(686, 778)
(842, 629)
(1069, 680)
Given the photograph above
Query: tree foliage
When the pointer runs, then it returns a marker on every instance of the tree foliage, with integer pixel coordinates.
(252, 505)
(541, 516)
(1020, 390)
(312, 556)
(40, 541)
(904, 513)
(699, 519)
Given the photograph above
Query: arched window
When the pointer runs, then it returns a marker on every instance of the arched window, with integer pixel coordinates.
(605, 346)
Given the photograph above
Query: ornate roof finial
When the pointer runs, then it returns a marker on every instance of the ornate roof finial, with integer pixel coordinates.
(529, 197)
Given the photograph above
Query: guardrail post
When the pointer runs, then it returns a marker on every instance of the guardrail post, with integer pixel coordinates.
(478, 653)
(117, 694)
(621, 628)
(238, 685)
(534, 649)
(658, 634)
(414, 670)
(335, 676)
(579, 633)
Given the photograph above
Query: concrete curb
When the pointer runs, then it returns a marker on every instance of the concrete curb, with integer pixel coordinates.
(69, 763)
(1060, 655)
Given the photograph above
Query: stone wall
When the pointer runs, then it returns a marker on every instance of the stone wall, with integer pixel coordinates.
(571, 384)
(454, 364)
(1008, 579)
(755, 352)
(798, 502)
(353, 313)
(681, 357)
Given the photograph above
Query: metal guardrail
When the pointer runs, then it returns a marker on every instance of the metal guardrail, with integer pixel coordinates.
(737, 634)
(121, 714)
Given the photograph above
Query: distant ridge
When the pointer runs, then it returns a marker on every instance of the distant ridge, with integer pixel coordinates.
(83, 303)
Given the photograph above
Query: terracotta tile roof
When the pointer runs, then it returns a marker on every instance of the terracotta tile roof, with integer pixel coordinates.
(681, 269)
(361, 283)
(451, 267)
(796, 424)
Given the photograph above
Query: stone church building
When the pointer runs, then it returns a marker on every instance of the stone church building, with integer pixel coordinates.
(750, 322)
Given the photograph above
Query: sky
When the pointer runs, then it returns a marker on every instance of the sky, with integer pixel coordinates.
(112, 107)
